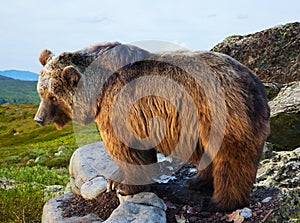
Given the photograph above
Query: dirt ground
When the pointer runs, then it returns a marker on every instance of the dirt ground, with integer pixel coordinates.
(183, 204)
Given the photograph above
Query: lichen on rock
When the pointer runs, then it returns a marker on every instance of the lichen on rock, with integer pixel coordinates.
(273, 54)
(282, 172)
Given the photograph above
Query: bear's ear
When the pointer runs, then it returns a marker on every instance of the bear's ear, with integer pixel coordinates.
(45, 56)
(71, 75)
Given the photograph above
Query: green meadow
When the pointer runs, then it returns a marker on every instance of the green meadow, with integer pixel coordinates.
(33, 159)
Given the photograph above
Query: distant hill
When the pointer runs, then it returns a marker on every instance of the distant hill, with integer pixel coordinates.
(17, 91)
(5, 78)
(20, 75)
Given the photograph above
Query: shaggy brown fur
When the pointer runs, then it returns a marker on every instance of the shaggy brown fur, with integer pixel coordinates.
(231, 172)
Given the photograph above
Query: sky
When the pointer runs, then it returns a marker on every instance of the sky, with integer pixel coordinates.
(27, 27)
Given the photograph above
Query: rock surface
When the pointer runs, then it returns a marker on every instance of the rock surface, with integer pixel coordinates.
(273, 54)
(92, 188)
(282, 172)
(285, 117)
(277, 191)
(142, 207)
(90, 163)
(52, 212)
(272, 90)
(89, 166)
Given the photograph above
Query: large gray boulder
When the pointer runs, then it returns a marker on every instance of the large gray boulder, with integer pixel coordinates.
(285, 117)
(273, 54)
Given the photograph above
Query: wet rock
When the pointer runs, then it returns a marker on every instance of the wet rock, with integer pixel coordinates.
(285, 117)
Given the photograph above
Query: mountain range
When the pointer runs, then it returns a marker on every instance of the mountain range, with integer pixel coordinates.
(20, 75)
(18, 87)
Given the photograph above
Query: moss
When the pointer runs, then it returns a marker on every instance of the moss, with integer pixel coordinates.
(285, 130)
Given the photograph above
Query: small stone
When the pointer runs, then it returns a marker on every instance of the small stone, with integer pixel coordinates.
(61, 148)
(266, 200)
(92, 188)
(58, 153)
(245, 212)
(37, 159)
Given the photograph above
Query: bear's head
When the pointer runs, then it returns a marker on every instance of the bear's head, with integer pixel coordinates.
(69, 84)
(57, 83)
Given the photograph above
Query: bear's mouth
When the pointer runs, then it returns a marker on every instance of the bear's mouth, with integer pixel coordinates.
(58, 126)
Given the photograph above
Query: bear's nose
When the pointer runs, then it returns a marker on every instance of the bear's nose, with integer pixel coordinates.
(39, 120)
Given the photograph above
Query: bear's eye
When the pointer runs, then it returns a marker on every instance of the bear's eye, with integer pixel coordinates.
(53, 98)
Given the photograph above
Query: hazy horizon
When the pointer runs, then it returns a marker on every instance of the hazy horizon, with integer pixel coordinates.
(27, 27)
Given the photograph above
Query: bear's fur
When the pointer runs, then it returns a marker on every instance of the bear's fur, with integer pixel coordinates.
(232, 170)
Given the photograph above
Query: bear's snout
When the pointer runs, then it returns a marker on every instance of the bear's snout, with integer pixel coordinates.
(39, 120)
(40, 116)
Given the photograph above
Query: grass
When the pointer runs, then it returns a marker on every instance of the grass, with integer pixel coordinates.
(22, 200)
(17, 91)
(21, 204)
(30, 160)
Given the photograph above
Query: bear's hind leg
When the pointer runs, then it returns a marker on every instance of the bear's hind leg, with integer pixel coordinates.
(233, 181)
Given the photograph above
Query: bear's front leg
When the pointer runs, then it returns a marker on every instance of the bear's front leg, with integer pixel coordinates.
(117, 183)
(115, 179)
(135, 174)
(203, 180)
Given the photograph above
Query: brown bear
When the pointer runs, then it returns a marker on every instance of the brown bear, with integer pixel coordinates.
(202, 107)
